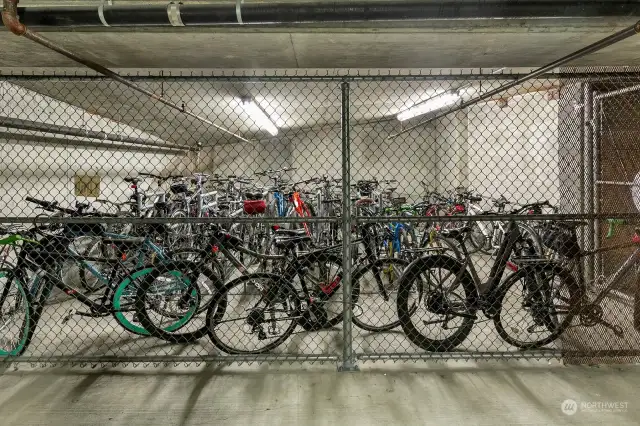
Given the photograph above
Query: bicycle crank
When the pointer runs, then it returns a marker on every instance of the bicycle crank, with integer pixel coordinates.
(595, 316)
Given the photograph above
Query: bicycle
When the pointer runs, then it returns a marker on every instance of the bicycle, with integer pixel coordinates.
(311, 305)
(29, 284)
(451, 290)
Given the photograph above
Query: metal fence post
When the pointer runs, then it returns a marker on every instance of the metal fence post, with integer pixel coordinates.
(348, 358)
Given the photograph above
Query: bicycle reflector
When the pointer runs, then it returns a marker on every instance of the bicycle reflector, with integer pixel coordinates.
(134, 186)
(275, 227)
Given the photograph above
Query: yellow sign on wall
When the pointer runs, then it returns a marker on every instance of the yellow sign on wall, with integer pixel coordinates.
(87, 186)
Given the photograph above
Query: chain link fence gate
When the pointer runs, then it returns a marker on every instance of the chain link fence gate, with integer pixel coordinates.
(319, 225)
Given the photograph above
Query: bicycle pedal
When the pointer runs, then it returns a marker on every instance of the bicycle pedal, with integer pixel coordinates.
(68, 316)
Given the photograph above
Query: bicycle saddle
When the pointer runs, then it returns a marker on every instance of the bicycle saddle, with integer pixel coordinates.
(287, 242)
(133, 180)
(290, 232)
(456, 233)
(365, 202)
(253, 195)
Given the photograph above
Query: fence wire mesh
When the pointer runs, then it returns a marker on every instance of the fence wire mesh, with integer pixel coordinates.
(317, 224)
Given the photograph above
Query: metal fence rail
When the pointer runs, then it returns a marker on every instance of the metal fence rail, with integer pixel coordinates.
(334, 219)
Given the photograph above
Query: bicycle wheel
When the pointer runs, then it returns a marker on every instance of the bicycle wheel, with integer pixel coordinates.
(204, 258)
(439, 245)
(97, 249)
(179, 235)
(476, 240)
(253, 314)
(375, 294)
(532, 240)
(536, 305)
(168, 299)
(436, 296)
(123, 301)
(17, 321)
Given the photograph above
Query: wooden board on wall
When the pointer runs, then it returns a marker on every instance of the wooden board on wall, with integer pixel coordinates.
(87, 186)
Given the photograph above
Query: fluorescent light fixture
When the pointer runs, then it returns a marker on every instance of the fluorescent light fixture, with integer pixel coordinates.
(431, 104)
(259, 116)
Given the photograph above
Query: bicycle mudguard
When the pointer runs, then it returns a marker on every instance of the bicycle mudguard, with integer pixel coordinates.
(13, 239)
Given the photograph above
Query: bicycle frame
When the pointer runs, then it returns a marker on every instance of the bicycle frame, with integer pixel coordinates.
(97, 308)
(488, 290)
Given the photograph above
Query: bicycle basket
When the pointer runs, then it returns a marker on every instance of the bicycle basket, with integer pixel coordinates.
(562, 240)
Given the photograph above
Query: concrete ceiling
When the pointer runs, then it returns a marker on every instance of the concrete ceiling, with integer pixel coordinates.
(425, 45)
(292, 106)
(511, 43)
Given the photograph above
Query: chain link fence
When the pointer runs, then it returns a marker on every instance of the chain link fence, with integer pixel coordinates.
(308, 218)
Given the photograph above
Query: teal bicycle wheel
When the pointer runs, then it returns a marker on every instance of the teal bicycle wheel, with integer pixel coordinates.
(168, 299)
(123, 301)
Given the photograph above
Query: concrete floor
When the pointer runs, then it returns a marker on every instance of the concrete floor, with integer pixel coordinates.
(517, 393)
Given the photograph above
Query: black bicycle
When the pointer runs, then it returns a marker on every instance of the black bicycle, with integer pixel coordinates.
(439, 297)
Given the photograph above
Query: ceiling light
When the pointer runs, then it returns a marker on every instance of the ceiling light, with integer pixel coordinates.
(431, 104)
(259, 116)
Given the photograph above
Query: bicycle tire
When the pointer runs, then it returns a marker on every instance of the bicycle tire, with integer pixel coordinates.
(219, 307)
(405, 312)
(29, 322)
(574, 296)
(187, 271)
(357, 288)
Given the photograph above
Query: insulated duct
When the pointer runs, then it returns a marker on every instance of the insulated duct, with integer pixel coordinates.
(262, 13)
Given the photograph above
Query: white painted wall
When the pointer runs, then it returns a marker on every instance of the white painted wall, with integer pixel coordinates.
(48, 171)
(511, 151)
(409, 159)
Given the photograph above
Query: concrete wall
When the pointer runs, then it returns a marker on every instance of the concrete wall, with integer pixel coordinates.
(48, 171)
(510, 151)
(409, 159)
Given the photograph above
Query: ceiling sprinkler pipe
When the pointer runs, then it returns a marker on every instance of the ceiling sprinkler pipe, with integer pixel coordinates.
(11, 21)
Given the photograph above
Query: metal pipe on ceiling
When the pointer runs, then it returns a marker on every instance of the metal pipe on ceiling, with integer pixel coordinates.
(63, 141)
(11, 21)
(36, 126)
(268, 14)
(598, 45)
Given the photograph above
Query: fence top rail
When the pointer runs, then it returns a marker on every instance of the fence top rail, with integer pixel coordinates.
(79, 76)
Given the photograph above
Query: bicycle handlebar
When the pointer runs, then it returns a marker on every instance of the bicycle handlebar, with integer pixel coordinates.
(49, 205)
(612, 224)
